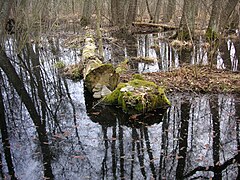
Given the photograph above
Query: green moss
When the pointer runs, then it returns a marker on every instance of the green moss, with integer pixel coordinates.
(76, 74)
(122, 67)
(138, 96)
(60, 65)
(138, 76)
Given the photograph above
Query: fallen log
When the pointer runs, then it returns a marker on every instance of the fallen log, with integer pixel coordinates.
(164, 27)
(102, 81)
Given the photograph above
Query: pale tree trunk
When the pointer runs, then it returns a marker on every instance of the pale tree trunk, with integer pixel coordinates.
(87, 10)
(132, 12)
(157, 11)
(187, 23)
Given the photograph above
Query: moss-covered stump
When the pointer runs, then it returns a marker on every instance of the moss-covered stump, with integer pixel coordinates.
(138, 96)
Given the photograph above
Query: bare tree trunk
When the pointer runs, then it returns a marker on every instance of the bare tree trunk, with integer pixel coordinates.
(187, 23)
(99, 34)
(224, 17)
(171, 7)
(213, 26)
(157, 11)
(118, 15)
(149, 11)
(87, 10)
(132, 12)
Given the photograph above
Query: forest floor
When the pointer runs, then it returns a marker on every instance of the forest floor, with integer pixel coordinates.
(199, 79)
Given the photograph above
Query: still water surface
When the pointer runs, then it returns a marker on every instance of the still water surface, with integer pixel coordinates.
(196, 138)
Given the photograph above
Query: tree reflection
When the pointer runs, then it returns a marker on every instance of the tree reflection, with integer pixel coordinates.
(183, 137)
(5, 137)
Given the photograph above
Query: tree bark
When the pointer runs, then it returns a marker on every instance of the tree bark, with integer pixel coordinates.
(224, 17)
(171, 7)
(118, 15)
(213, 26)
(187, 23)
(87, 10)
(157, 11)
(132, 12)
(99, 34)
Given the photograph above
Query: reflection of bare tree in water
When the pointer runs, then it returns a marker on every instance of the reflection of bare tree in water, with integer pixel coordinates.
(18, 84)
(125, 41)
(183, 137)
(149, 151)
(163, 150)
(104, 162)
(139, 152)
(238, 136)
(216, 137)
(5, 137)
(1, 167)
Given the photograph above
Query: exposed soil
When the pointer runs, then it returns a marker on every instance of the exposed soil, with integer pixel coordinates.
(199, 79)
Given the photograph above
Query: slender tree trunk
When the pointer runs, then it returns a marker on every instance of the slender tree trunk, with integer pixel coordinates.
(157, 11)
(132, 12)
(213, 26)
(149, 11)
(171, 7)
(187, 23)
(225, 14)
(99, 34)
(118, 13)
(87, 11)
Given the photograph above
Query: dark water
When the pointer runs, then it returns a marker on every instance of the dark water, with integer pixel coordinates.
(196, 138)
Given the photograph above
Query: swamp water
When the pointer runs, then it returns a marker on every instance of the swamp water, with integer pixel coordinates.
(196, 138)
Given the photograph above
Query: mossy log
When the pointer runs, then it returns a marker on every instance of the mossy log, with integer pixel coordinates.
(138, 96)
(102, 80)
